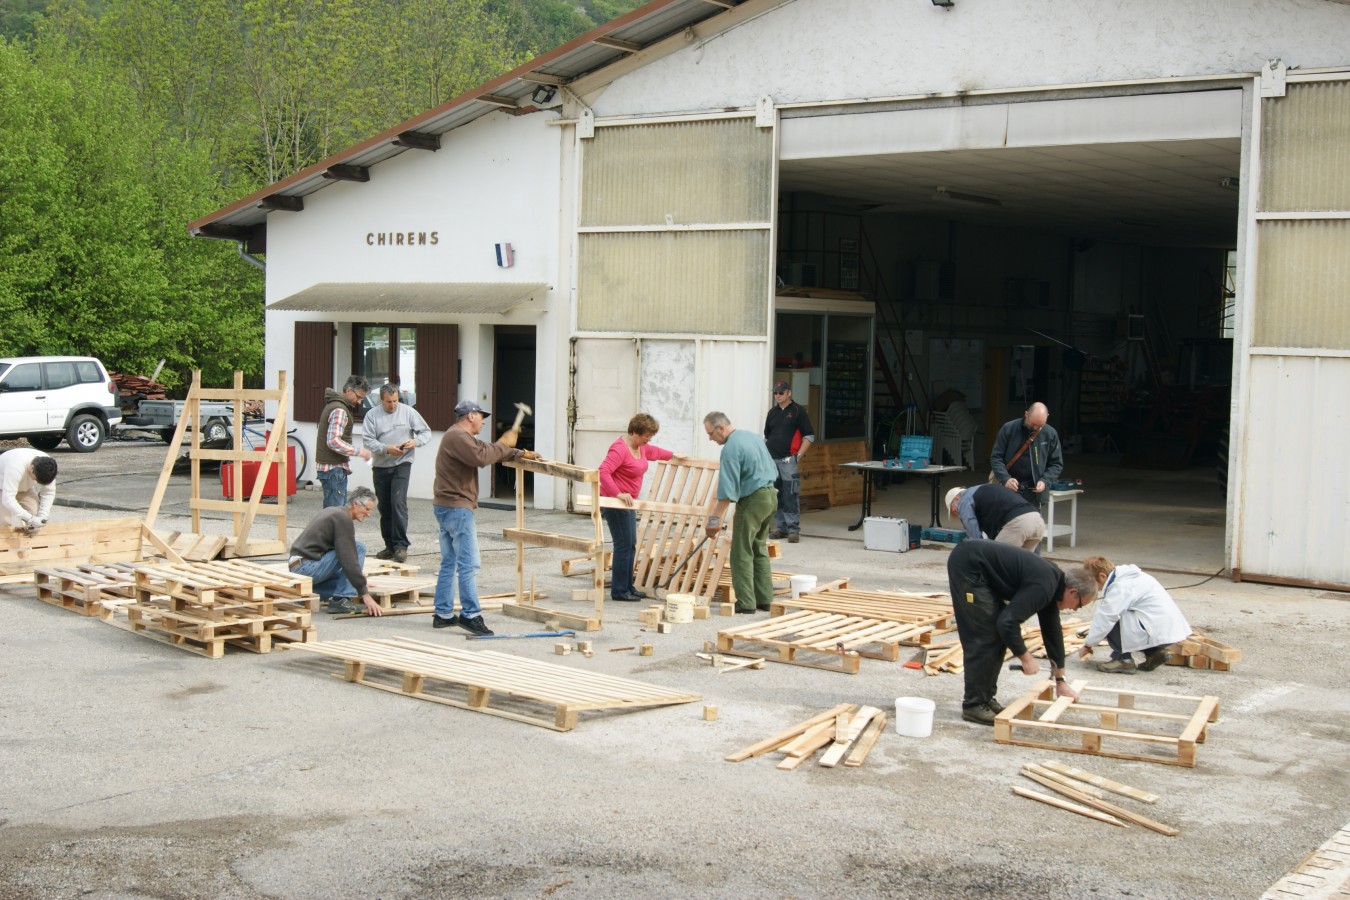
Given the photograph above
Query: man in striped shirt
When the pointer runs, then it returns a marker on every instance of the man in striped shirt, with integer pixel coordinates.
(334, 447)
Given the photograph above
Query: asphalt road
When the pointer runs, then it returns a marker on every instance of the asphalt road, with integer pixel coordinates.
(132, 769)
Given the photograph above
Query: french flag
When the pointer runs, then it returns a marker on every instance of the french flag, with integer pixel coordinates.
(505, 257)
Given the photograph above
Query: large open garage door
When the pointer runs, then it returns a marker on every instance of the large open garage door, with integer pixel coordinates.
(1291, 429)
(1068, 247)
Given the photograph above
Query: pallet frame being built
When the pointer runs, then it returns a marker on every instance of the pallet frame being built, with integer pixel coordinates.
(88, 541)
(484, 674)
(524, 605)
(797, 638)
(670, 527)
(244, 511)
(1034, 720)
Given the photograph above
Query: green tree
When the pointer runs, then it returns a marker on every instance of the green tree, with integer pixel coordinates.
(93, 255)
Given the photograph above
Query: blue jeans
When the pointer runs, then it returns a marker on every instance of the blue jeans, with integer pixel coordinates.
(788, 517)
(623, 531)
(1113, 638)
(329, 579)
(459, 556)
(391, 490)
(334, 483)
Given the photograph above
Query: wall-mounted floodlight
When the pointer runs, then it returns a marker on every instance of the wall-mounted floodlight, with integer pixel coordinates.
(543, 94)
(945, 4)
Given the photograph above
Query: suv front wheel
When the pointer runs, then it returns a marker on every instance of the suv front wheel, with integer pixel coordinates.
(86, 433)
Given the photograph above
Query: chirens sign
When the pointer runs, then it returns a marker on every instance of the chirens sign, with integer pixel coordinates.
(402, 238)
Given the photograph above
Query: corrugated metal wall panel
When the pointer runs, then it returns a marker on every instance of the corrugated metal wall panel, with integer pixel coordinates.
(1296, 495)
(702, 282)
(1302, 282)
(696, 172)
(1304, 136)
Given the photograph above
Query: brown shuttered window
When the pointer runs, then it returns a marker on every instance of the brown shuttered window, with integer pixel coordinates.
(313, 368)
(438, 374)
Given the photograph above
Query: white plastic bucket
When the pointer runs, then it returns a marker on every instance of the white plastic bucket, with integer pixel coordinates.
(914, 716)
(680, 608)
(802, 584)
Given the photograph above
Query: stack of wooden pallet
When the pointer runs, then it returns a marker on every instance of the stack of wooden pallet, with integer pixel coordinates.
(847, 730)
(823, 483)
(203, 606)
(86, 588)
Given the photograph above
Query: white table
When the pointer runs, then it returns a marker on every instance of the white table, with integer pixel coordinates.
(1052, 530)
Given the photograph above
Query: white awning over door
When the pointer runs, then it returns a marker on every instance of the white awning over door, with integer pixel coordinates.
(415, 297)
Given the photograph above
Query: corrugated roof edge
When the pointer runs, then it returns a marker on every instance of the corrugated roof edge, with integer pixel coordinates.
(312, 178)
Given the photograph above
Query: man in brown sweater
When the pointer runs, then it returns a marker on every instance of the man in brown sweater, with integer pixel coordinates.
(455, 497)
(328, 552)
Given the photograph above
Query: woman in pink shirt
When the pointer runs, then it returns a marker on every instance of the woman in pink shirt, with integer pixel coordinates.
(621, 477)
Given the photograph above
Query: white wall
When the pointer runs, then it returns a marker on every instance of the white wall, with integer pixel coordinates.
(846, 49)
(495, 180)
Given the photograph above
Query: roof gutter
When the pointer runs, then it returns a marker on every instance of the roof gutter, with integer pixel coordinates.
(249, 258)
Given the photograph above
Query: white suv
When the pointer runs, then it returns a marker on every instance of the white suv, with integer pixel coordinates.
(47, 398)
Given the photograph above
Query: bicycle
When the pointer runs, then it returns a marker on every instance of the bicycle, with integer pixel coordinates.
(255, 438)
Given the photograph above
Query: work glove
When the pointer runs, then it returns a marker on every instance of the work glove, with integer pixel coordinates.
(34, 525)
(509, 438)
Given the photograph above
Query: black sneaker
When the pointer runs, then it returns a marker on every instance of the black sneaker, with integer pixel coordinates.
(746, 612)
(777, 535)
(995, 706)
(980, 715)
(627, 598)
(400, 555)
(386, 553)
(338, 606)
(474, 625)
(438, 622)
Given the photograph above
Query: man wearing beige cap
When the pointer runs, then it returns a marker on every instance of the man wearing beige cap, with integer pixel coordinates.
(1002, 515)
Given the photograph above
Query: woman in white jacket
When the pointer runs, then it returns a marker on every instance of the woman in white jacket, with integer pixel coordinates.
(1134, 613)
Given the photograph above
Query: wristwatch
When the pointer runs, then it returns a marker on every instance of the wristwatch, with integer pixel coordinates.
(1059, 678)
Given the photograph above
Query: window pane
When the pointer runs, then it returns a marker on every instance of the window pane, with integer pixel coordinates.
(407, 358)
(25, 377)
(61, 374)
(374, 356)
(88, 372)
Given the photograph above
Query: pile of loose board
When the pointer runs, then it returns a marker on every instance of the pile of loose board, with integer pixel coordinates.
(1085, 794)
(847, 731)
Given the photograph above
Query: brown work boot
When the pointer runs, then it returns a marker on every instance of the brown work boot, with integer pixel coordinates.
(400, 555)
(1153, 660)
(794, 537)
(777, 535)
(1118, 667)
(980, 715)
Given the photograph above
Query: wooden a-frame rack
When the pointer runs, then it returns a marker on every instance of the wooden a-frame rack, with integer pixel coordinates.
(244, 510)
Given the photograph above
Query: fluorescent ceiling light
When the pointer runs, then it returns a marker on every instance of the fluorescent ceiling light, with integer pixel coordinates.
(946, 193)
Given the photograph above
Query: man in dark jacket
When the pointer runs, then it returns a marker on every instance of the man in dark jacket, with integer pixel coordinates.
(995, 588)
(987, 510)
(788, 435)
(1026, 457)
(328, 552)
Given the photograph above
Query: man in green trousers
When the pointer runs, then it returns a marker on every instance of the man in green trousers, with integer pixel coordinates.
(745, 477)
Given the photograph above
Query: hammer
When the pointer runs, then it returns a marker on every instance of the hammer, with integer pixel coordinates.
(522, 410)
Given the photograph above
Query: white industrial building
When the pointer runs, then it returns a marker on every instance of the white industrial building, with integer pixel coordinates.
(1142, 205)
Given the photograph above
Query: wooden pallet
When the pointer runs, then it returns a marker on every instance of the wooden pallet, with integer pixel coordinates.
(391, 591)
(196, 547)
(950, 656)
(1323, 873)
(1200, 651)
(1169, 726)
(70, 543)
(725, 596)
(803, 638)
(934, 610)
(498, 684)
(285, 623)
(85, 588)
(671, 525)
(221, 585)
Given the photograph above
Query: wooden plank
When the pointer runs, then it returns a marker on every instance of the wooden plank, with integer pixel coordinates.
(1101, 805)
(869, 739)
(759, 748)
(843, 741)
(1064, 804)
(548, 539)
(1107, 784)
(68, 543)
